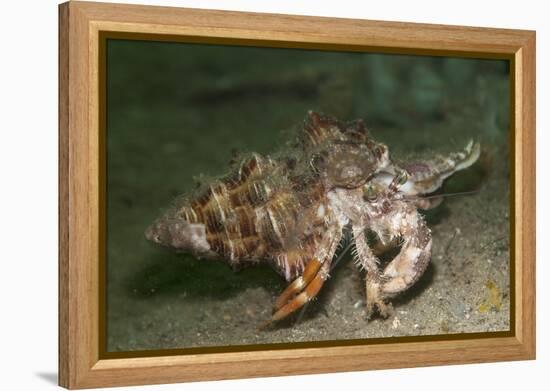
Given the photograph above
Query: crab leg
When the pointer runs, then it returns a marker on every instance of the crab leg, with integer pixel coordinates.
(413, 259)
(306, 295)
(369, 262)
(298, 285)
(306, 287)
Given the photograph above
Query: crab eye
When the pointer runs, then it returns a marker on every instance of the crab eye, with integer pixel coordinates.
(369, 193)
(402, 177)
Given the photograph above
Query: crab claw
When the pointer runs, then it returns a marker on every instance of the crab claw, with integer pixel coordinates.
(426, 177)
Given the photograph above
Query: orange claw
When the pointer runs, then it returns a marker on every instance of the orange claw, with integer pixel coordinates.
(298, 285)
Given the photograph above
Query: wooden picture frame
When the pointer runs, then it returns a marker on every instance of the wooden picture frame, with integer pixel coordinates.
(82, 363)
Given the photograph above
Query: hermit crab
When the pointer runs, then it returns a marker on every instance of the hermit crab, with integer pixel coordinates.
(292, 209)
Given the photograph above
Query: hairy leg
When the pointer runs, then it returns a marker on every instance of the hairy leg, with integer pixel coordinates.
(366, 259)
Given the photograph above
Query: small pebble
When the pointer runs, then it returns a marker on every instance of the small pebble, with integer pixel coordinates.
(396, 323)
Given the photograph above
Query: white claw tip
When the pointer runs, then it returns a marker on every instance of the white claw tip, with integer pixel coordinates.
(473, 150)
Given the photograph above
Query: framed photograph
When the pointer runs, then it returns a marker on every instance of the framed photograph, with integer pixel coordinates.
(247, 195)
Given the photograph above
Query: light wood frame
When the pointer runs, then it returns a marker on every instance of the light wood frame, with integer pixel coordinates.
(80, 190)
